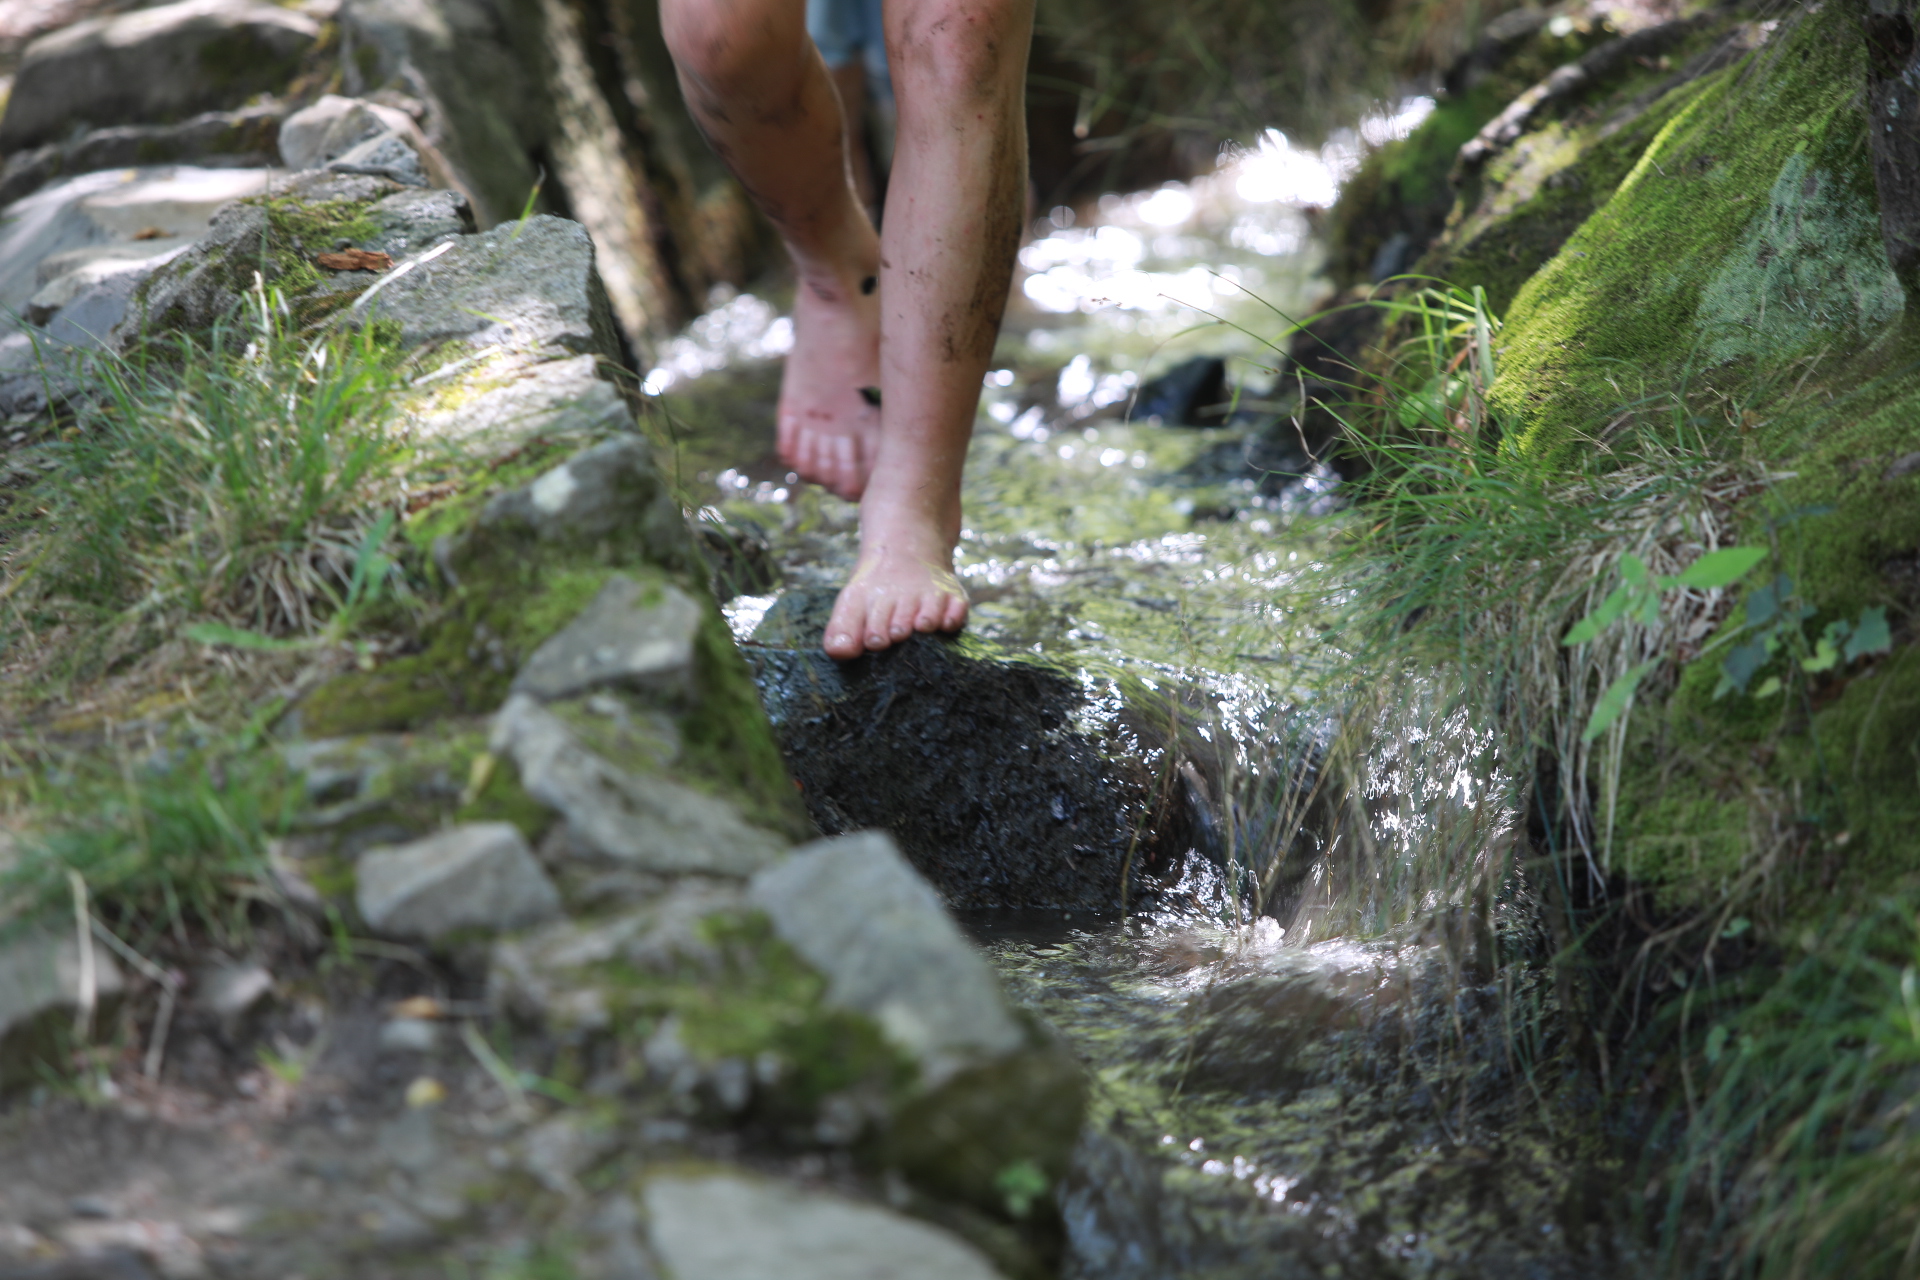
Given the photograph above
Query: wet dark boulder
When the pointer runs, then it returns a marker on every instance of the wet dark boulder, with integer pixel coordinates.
(981, 769)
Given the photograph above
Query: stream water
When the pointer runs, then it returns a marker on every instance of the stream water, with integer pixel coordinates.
(1312, 1053)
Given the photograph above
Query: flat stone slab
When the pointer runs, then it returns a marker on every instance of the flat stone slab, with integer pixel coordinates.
(857, 911)
(734, 1227)
(153, 64)
(478, 876)
(650, 823)
(97, 209)
(523, 286)
(623, 638)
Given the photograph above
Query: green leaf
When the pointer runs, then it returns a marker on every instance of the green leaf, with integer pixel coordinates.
(1596, 622)
(1826, 653)
(1647, 604)
(1741, 664)
(1633, 568)
(1716, 1043)
(1870, 635)
(1768, 687)
(1763, 602)
(240, 638)
(1736, 926)
(1722, 568)
(1614, 702)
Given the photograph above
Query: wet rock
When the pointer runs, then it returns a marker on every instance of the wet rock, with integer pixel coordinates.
(962, 761)
(153, 64)
(609, 491)
(629, 636)
(243, 139)
(650, 823)
(855, 910)
(1192, 393)
(732, 1225)
(530, 286)
(478, 876)
(40, 979)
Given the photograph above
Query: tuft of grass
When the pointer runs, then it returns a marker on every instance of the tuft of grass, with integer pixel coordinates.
(174, 845)
(234, 481)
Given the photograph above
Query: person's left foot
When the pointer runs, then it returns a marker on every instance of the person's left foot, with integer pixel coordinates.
(829, 415)
(903, 583)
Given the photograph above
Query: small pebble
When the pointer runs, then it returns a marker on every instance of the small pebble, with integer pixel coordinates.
(426, 1092)
(409, 1035)
(92, 1207)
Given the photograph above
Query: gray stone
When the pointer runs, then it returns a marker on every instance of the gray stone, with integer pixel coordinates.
(478, 876)
(409, 1035)
(333, 126)
(528, 286)
(40, 970)
(647, 822)
(547, 973)
(551, 398)
(410, 221)
(622, 638)
(598, 493)
(732, 1226)
(476, 69)
(557, 1151)
(203, 284)
(855, 910)
(243, 139)
(153, 64)
(97, 209)
(229, 991)
(387, 156)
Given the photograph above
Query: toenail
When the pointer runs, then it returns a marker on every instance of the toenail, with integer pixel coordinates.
(871, 395)
(870, 284)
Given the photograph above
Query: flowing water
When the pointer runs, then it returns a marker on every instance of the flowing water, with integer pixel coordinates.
(1321, 1041)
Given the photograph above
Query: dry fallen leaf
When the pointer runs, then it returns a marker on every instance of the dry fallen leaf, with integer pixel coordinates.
(150, 233)
(425, 1007)
(355, 260)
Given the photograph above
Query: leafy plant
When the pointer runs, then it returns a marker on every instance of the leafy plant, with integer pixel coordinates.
(1775, 620)
(1639, 596)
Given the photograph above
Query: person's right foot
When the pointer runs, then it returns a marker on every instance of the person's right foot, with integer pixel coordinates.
(829, 416)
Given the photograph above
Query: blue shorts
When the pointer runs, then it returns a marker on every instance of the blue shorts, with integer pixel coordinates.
(850, 29)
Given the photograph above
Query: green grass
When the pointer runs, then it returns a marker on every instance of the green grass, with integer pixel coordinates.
(234, 480)
(172, 844)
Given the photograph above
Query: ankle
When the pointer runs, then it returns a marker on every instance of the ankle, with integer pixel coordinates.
(839, 268)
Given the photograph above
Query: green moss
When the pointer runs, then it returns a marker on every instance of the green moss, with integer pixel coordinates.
(239, 63)
(490, 626)
(760, 1002)
(503, 799)
(1655, 284)
(729, 738)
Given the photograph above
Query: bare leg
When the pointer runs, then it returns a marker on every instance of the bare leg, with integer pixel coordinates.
(763, 97)
(851, 82)
(946, 263)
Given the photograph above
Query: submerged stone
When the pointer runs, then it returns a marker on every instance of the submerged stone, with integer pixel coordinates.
(479, 876)
(622, 638)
